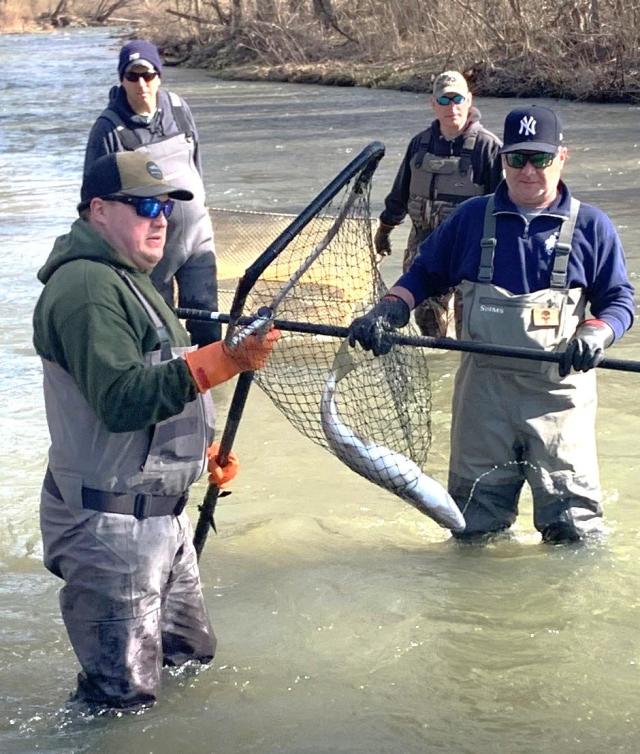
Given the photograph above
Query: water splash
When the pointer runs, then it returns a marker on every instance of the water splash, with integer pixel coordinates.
(499, 467)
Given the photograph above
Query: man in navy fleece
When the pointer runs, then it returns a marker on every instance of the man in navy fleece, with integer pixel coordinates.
(536, 268)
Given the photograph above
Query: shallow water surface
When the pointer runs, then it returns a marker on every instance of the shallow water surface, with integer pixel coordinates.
(347, 622)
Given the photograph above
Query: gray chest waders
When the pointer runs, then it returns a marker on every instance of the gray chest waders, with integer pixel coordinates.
(114, 529)
(515, 420)
(189, 229)
(438, 184)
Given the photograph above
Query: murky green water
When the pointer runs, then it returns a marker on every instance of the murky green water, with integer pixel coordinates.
(347, 622)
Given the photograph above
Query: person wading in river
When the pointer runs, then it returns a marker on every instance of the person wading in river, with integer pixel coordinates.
(131, 424)
(142, 114)
(528, 260)
(453, 159)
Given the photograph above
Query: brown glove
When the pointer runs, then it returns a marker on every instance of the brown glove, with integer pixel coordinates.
(381, 241)
(218, 362)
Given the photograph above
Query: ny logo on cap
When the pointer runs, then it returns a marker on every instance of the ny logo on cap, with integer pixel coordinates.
(528, 126)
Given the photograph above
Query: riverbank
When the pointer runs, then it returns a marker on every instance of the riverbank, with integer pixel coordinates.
(378, 51)
(506, 80)
(536, 73)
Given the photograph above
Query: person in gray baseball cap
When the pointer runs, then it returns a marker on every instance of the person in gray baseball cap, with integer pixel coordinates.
(131, 422)
(142, 114)
(451, 160)
(535, 268)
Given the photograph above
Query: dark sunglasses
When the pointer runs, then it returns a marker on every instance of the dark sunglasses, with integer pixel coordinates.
(135, 75)
(146, 206)
(539, 160)
(445, 99)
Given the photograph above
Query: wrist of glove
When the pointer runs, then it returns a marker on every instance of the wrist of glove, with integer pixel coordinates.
(381, 241)
(218, 362)
(374, 330)
(221, 475)
(586, 348)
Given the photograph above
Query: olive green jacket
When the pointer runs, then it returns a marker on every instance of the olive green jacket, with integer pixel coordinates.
(89, 322)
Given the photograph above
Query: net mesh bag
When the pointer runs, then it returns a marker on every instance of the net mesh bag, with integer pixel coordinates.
(328, 273)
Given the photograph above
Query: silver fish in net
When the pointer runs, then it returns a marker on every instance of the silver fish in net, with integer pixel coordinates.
(387, 468)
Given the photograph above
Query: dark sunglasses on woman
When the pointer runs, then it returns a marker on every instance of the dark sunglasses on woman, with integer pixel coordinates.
(145, 206)
(135, 75)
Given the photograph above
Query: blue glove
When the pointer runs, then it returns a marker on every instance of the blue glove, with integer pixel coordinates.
(374, 329)
(585, 350)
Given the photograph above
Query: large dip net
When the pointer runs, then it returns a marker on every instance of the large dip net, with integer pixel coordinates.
(320, 268)
(325, 271)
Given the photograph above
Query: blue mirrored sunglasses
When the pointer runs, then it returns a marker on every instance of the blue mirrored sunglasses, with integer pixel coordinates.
(145, 206)
(445, 99)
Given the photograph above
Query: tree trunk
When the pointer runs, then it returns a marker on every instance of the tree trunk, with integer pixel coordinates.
(236, 14)
(266, 10)
(323, 12)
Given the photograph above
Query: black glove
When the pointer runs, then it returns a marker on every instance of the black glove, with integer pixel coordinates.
(373, 330)
(381, 242)
(585, 350)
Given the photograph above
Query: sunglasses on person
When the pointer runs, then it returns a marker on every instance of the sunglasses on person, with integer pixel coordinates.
(145, 206)
(136, 75)
(445, 99)
(539, 160)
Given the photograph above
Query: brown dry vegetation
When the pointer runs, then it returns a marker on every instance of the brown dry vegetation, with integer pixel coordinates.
(582, 49)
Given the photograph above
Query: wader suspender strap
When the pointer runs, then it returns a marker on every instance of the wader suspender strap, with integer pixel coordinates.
(563, 247)
(423, 147)
(487, 244)
(128, 136)
(468, 145)
(160, 328)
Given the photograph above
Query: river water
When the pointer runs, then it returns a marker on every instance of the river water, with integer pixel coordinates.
(347, 622)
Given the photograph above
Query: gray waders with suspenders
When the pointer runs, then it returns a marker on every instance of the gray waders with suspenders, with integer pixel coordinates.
(114, 528)
(516, 420)
(438, 184)
(189, 230)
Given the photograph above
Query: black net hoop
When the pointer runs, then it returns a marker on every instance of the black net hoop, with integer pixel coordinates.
(326, 271)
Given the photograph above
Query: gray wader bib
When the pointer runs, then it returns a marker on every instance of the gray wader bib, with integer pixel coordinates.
(515, 420)
(189, 230)
(438, 184)
(132, 600)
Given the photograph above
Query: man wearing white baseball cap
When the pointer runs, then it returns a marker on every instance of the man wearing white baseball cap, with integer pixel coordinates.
(451, 160)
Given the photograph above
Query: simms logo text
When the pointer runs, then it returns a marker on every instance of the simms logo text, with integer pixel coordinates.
(491, 309)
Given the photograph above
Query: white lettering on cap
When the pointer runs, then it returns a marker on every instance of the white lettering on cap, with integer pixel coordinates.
(134, 56)
(528, 126)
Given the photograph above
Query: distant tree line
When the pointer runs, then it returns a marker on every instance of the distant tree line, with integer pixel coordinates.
(586, 49)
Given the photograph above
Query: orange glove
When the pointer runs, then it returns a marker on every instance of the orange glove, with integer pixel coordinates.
(218, 362)
(221, 475)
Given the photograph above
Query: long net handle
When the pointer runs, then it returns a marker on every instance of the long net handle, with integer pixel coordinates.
(418, 341)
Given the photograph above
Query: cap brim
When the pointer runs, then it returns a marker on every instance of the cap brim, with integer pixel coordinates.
(453, 91)
(172, 191)
(530, 146)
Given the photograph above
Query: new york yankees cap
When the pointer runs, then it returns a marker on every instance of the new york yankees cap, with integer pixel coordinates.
(535, 128)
